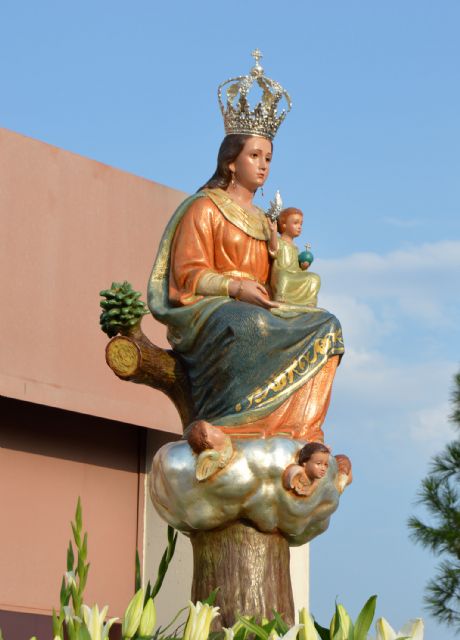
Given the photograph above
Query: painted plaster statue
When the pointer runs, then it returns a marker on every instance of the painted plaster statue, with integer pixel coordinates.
(251, 372)
(260, 379)
(251, 375)
(290, 282)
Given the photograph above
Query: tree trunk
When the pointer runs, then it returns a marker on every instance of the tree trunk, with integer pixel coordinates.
(251, 568)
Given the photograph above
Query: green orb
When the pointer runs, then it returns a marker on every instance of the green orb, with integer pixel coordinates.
(306, 256)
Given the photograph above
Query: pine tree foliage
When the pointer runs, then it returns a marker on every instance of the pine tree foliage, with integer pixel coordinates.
(440, 495)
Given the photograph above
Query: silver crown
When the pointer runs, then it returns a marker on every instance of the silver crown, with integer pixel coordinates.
(264, 119)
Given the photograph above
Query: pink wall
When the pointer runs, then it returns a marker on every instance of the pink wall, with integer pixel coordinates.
(48, 458)
(69, 226)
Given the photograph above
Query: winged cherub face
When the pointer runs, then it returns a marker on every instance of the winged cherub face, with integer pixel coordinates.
(317, 465)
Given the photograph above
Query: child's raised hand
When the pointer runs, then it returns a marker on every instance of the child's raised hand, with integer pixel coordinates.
(272, 224)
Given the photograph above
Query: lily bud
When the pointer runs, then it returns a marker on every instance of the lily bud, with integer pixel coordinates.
(308, 631)
(346, 624)
(133, 615)
(148, 619)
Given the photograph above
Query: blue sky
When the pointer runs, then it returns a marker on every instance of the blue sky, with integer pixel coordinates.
(370, 152)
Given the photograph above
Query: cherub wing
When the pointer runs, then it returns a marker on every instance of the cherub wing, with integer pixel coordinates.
(207, 464)
(296, 480)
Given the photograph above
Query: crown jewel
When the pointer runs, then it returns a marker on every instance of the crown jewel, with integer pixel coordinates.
(264, 119)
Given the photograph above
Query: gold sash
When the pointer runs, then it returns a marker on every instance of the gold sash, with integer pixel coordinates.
(253, 224)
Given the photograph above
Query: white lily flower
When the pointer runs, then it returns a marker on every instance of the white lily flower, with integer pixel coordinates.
(199, 621)
(68, 612)
(71, 578)
(229, 633)
(413, 630)
(95, 622)
(290, 635)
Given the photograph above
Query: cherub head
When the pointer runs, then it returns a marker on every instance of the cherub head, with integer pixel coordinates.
(290, 222)
(314, 458)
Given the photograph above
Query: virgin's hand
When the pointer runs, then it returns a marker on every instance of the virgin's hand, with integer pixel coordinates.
(252, 292)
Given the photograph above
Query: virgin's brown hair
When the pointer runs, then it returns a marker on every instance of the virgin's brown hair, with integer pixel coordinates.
(231, 147)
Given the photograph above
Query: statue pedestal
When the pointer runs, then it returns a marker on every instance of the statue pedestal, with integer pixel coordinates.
(242, 520)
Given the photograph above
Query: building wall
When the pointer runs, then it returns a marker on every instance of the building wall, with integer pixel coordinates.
(69, 227)
(48, 458)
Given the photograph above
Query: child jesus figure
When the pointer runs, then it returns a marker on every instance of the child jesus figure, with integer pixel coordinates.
(290, 282)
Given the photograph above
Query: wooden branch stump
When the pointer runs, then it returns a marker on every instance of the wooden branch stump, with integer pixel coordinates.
(251, 568)
(132, 356)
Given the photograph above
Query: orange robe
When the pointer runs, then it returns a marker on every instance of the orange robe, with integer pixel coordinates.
(213, 244)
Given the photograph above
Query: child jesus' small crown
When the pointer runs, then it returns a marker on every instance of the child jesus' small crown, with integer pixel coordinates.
(264, 119)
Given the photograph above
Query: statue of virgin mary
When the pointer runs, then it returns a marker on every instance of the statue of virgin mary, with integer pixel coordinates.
(253, 373)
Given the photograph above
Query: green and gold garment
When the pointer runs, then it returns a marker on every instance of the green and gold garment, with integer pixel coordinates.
(242, 360)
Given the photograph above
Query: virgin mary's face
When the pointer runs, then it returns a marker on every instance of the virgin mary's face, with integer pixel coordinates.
(252, 166)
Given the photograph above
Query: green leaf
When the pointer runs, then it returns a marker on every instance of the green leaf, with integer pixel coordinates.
(180, 612)
(212, 597)
(269, 626)
(78, 516)
(165, 560)
(56, 624)
(64, 595)
(148, 591)
(254, 628)
(76, 535)
(70, 557)
(241, 633)
(323, 633)
(335, 623)
(84, 548)
(281, 626)
(84, 578)
(83, 633)
(137, 573)
(364, 619)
